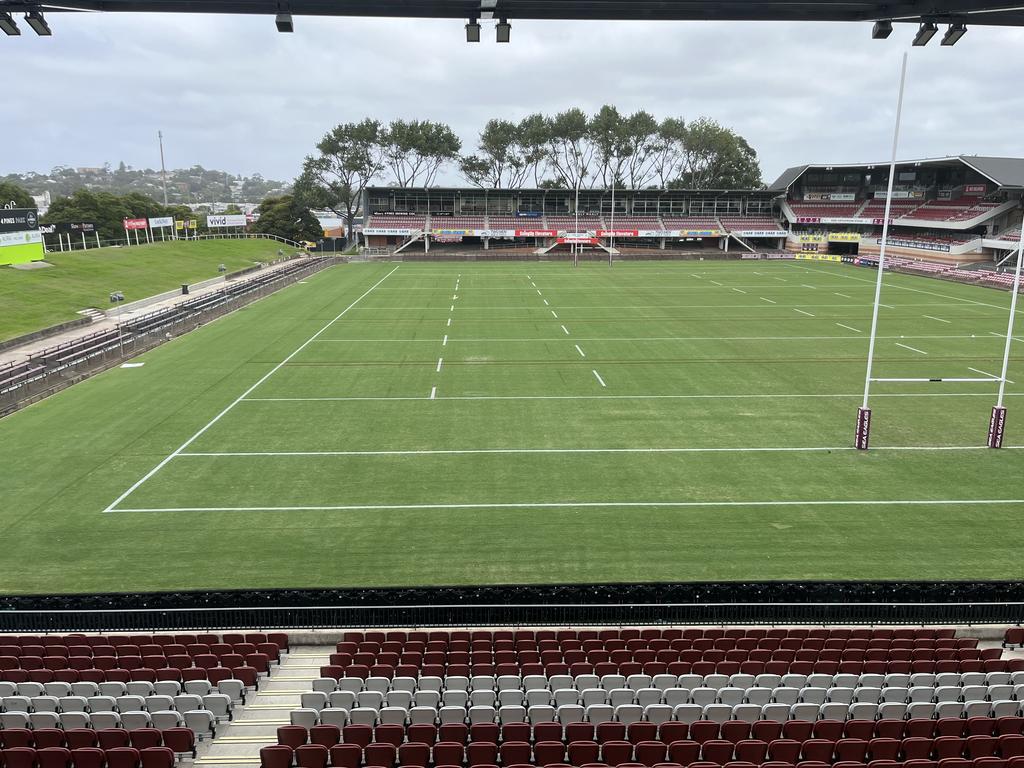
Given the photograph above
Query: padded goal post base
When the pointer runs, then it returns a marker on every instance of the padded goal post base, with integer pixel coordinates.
(996, 426)
(863, 436)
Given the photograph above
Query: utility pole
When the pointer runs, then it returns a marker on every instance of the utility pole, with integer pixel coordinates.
(163, 168)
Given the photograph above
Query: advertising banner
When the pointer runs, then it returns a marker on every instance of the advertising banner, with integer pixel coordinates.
(536, 233)
(699, 233)
(844, 237)
(760, 232)
(460, 233)
(136, 223)
(577, 238)
(161, 222)
(818, 257)
(657, 233)
(226, 220)
(974, 189)
(837, 196)
(811, 239)
(179, 225)
(618, 233)
(387, 231)
(18, 219)
(21, 247)
(193, 223)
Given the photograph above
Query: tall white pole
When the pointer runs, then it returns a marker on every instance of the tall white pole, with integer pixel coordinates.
(163, 168)
(612, 247)
(577, 245)
(997, 423)
(864, 414)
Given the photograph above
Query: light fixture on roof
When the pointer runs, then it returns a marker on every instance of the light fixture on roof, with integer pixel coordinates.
(504, 31)
(925, 33)
(284, 22)
(35, 20)
(956, 30)
(7, 24)
(881, 30)
(473, 31)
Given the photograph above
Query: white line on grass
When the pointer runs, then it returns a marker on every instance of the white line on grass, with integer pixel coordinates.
(697, 276)
(592, 505)
(912, 349)
(546, 303)
(539, 293)
(802, 312)
(844, 295)
(449, 322)
(445, 342)
(599, 379)
(715, 282)
(767, 396)
(986, 373)
(580, 351)
(566, 330)
(433, 393)
(440, 361)
(782, 279)
(649, 338)
(805, 285)
(553, 314)
(762, 298)
(849, 328)
(452, 308)
(1003, 336)
(739, 290)
(938, 319)
(476, 451)
(455, 296)
(242, 396)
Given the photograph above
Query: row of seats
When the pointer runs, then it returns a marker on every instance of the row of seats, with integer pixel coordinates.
(656, 644)
(183, 702)
(259, 661)
(280, 639)
(87, 757)
(150, 649)
(662, 682)
(233, 688)
(656, 713)
(180, 740)
(701, 731)
(247, 674)
(652, 668)
(200, 721)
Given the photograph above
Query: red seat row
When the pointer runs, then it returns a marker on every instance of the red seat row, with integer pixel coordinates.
(180, 740)
(205, 661)
(278, 638)
(656, 644)
(249, 675)
(87, 757)
(170, 650)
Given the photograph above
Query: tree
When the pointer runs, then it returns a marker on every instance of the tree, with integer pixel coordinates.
(669, 151)
(715, 157)
(416, 150)
(285, 217)
(504, 158)
(348, 159)
(107, 210)
(12, 193)
(570, 151)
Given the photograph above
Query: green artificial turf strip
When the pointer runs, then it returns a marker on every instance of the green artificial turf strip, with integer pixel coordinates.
(692, 356)
(38, 298)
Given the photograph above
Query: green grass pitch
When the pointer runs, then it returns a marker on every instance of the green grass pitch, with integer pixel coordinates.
(386, 424)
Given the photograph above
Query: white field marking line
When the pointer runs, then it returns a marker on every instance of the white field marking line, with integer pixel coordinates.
(433, 393)
(912, 349)
(849, 328)
(445, 342)
(132, 365)
(475, 451)
(593, 505)
(843, 295)
(697, 276)
(762, 298)
(650, 338)
(546, 303)
(539, 293)
(715, 282)
(906, 288)
(986, 373)
(580, 351)
(242, 396)
(440, 362)
(939, 319)
(452, 308)
(566, 330)
(449, 322)
(455, 296)
(802, 312)
(781, 279)
(757, 273)
(553, 314)
(887, 306)
(786, 396)
(599, 379)
(1003, 336)
(804, 285)
(739, 290)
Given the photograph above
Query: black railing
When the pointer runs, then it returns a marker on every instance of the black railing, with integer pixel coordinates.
(507, 605)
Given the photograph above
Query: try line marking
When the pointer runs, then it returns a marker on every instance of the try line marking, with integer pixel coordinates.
(242, 397)
(591, 505)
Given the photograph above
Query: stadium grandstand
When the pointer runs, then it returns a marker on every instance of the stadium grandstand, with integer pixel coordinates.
(950, 210)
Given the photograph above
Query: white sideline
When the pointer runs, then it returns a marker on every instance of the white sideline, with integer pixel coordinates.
(591, 505)
(474, 451)
(242, 396)
(783, 396)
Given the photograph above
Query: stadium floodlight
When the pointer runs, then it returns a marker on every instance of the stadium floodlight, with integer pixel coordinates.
(881, 30)
(473, 31)
(504, 31)
(35, 20)
(954, 33)
(284, 22)
(925, 33)
(8, 25)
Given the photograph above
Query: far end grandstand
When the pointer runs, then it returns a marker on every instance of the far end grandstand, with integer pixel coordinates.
(528, 223)
(954, 210)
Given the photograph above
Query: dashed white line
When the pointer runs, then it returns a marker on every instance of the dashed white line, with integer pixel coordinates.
(445, 342)
(849, 328)
(440, 361)
(546, 303)
(599, 379)
(580, 351)
(912, 349)
(843, 295)
(715, 282)
(805, 285)
(762, 298)
(553, 314)
(449, 322)
(433, 393)
(539, 293)
(938, 319)
(739, 290)
(781, 279)
(566, 330)
(802, 312)
(452, 309)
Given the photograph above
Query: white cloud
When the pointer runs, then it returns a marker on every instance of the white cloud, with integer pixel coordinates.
(232, 93)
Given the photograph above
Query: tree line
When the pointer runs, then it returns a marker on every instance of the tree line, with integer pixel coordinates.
(568, 150)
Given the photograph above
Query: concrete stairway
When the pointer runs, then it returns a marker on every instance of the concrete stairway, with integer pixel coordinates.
(255, 724)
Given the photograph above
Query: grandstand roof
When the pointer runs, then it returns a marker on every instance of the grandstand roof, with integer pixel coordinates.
(989, 12)
(1006, 172)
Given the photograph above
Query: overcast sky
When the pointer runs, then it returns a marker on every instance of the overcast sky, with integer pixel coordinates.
(232, 93)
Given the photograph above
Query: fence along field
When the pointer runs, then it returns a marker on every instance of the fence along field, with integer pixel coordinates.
(458, 423)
